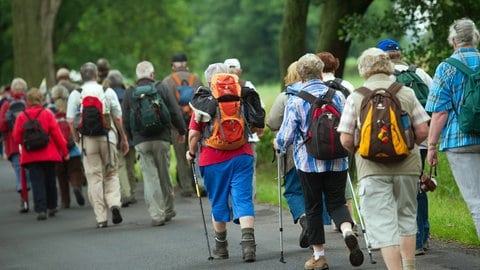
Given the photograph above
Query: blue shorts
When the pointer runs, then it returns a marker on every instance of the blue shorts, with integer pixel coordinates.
(231, 179)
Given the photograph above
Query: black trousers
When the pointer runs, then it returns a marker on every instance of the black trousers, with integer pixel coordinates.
(332, 184)
(42, 176)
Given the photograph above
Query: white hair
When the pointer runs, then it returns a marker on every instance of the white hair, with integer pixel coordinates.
(309, 67)
(144, 70)
(374, 61)
(464, 32)
(215, 69)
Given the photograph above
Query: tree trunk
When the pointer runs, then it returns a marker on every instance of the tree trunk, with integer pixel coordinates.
(292, 39)
(331, 14)
(33, 23)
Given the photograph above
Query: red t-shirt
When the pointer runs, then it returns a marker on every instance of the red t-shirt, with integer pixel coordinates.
(209, 156)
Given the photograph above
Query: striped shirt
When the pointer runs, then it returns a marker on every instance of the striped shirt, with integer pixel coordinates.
(295, 126)
(448, 85)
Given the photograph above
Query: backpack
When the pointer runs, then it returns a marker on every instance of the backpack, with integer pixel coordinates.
(184, 93)
(34, 136)
(149, 114)
(336, 84)
(66, 132)
(410, 79)
(322, 139)
(95, 118)
(468, 112)
(228, 129)
(386, 133)
(14, 108)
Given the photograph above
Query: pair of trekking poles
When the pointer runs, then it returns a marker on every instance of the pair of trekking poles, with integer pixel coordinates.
(281, 176)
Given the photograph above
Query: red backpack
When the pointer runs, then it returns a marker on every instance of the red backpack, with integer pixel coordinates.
(65, 129)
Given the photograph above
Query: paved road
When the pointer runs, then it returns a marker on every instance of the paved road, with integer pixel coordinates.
(71, 241)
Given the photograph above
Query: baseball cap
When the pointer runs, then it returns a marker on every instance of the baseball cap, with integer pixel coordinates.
(388, 45)
(179, 57)
(232, 63)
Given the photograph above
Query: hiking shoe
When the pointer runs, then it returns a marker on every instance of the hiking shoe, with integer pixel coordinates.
(221, 249)
(419, 252)
(51, 212)
(42, 216)
(248, 250)
(170, 215)
(102, 224)
(116, 217)
(320, 264)
(356, 255)
(158, 222)
(303, 239)
(79, 196)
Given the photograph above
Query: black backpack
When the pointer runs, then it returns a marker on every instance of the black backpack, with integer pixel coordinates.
(322, 139)
(14, 109)
(336, 84)
(34, 136)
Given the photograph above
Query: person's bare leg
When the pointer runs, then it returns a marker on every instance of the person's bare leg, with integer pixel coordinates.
(391, 256)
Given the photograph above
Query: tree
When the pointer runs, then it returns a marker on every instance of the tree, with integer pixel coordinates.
(32, 39)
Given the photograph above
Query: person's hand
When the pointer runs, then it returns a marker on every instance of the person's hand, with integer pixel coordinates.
(432, 156)
(275, 145)
(189, 156)
(181, 138)
(259, 131)
(67, 157)
(125, 147)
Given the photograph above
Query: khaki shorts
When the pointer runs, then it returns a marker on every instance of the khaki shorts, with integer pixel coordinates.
(388, 205)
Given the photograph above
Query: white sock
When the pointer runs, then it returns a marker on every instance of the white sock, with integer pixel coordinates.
(345, 231)
(318, 253)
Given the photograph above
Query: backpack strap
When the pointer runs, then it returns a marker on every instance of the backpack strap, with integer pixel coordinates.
(459, 65)
(338, 81)
(307, 96)
(412, 68)
(36, 116)
(364, 91)
(175, 77)
(191, 79)
(394, 88)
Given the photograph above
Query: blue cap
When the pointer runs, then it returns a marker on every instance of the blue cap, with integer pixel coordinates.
(388, 45)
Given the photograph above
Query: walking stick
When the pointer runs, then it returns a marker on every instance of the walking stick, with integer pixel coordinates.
(280, 218)
(197, 187)
(23, 181)
(365, 236)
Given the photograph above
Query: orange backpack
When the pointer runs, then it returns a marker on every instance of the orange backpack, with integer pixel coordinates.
(227, 130)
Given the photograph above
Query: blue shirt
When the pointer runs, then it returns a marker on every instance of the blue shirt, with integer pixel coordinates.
(447, 89)
(295, 125)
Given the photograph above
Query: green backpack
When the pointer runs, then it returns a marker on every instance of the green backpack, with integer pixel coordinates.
(468, 112)
(410, 79)
(149, 115)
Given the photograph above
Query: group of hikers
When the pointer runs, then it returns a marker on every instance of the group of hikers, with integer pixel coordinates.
(327, 134)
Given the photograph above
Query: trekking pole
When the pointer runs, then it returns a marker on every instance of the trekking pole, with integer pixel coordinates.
(357, 207)
(280, 218)
(197, 187)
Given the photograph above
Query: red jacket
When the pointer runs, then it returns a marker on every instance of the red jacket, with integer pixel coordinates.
(11, 147)
(56, 149)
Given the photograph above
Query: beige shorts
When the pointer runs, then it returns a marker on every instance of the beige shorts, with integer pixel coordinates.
(388, 205)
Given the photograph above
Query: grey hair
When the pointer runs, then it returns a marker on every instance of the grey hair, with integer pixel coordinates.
(89, 72)
(215, 69)
(374, 61)
(309, 67)
(115, 77)
(144, 70)
(59, 92)
(464, 32)
(18, 85)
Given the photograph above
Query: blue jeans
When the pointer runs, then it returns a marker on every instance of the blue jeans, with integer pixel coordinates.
(422, 220)
(15, 159)
(294, 195)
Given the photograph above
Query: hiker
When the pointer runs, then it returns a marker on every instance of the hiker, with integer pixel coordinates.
(18, 89)
(63, 78)
(126, 163)
(317, 177)
(293, 190)
(182, 79)
(153, 147)
(444, 101)
(103, 67)
(227, 173)
(393, 50)
(331, 65)
(98, 150)
(387, 190)
(234, 67)
(40, 163)
(69, 172)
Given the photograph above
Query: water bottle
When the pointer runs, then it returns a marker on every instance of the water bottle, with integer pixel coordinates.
(409, 140)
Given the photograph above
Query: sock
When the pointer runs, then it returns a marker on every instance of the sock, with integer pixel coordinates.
(345, 231)
(408, 264)
(248, 234)
(318, 253)
(221, 236)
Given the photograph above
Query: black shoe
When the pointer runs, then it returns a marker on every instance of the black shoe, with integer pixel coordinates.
(42, 216)
(103, 224)
(79, 196)
(356, 255)
(303, 239)
(51, 212)
(116, 217)
(23, 207)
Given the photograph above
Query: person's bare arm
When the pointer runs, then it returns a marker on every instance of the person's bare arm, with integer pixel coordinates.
(117, 120)
(194, 137)
(347, 142)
